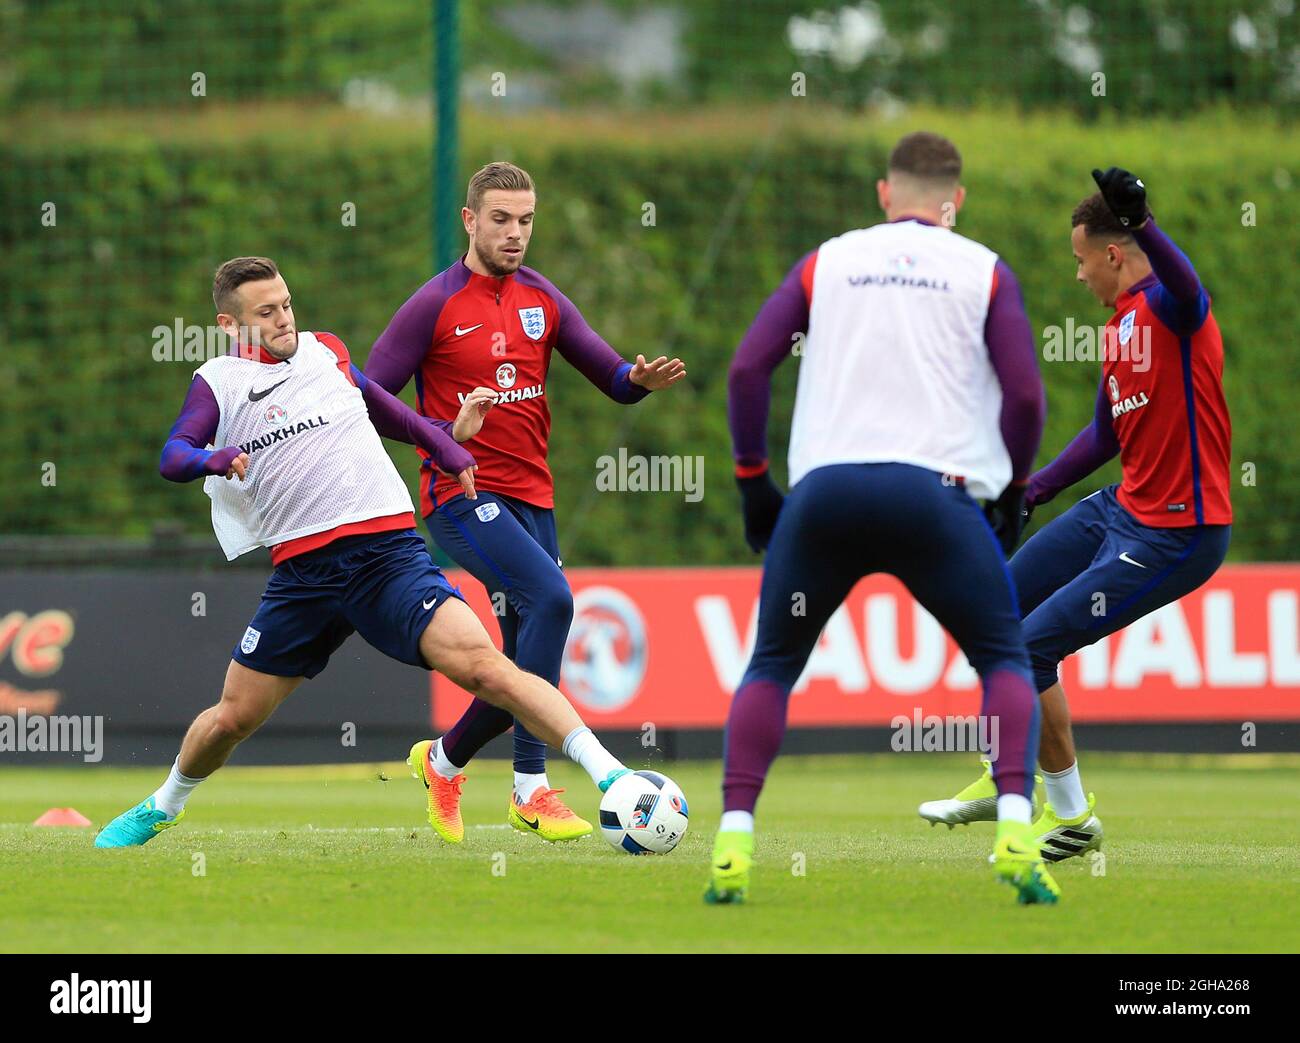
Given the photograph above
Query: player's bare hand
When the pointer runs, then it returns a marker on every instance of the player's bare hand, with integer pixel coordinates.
(657, 375)
(466, 479)
(229, 462)
(469, 421)
(238, 467)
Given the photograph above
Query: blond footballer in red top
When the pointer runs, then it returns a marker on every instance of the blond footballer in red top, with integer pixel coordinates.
(490, 326)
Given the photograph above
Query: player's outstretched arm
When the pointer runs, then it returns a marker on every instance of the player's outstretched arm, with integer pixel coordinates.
(586, 351)
(767, 343)
(1093, 446)
(1010, 343)
(1181, 302)
(394, 419)
(1170, 264)
(397, 354)
(186, 456)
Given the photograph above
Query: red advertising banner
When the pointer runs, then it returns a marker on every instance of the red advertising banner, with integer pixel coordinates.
(668, 646)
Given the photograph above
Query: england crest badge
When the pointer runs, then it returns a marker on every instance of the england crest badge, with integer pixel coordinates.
(249, 644)
(1126, 327)
(534, 322)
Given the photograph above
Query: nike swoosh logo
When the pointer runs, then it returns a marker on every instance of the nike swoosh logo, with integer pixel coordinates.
(469, 329)
(257, 396)
(1125, 557)
(428, 604)
(533, 824)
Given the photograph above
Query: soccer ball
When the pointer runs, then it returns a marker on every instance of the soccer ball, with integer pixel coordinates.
(643, 813)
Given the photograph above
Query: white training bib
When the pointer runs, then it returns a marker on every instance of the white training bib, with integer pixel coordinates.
(315, 459)
(895, 368)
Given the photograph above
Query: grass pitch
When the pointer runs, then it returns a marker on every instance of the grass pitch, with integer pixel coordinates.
(1201, 855)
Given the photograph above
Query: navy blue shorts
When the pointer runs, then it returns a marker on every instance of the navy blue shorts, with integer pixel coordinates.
(1096, 569)
(845, 521)
(384, 586)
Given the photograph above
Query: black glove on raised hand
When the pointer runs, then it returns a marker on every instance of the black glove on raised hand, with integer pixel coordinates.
(1007, 516)
(761, 502)
(1125, 194)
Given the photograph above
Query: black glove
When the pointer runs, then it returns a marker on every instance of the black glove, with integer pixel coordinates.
(761, 503)
(1125, 194)
(1007, 515)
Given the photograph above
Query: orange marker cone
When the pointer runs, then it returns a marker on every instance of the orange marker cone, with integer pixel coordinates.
(62, 817)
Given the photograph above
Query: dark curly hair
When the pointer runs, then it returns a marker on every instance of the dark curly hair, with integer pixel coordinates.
(1097, 219)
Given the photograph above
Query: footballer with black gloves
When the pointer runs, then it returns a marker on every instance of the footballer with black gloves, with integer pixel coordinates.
(919, 393)
(1126, 550)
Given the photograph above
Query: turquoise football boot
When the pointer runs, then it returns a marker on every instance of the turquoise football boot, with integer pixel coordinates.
(137, 826)
(609, 779)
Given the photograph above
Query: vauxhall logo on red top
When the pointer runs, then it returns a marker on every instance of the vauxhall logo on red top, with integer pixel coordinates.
(1126, 405)
(518, 394)
(506, 377)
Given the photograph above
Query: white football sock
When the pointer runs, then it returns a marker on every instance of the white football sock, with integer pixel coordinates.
(736, 822)
(526, 785)
(1012, 807)
(1065, 792)
(441, 764)
(171, 796)
(584, 749)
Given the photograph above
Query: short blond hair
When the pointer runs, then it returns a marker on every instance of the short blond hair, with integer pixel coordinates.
(500, 174)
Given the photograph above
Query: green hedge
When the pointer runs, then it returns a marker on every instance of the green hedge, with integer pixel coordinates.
(144, 214)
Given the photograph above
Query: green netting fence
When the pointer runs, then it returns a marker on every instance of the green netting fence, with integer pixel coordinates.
(143, 143)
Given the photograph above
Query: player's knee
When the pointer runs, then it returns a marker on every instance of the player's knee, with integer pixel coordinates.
(1016, 663)
(781, 670)
(489, 674)
(1045, 671)
(555, 604)
(988, 661)
(230, 724)
(1044, 661)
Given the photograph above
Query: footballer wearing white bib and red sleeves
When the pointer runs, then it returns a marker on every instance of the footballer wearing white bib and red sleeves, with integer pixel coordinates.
(918, 393)
(285, 432)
